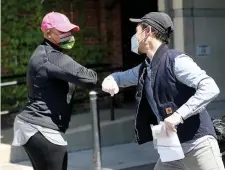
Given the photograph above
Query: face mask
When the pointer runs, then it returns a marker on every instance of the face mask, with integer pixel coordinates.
(67, 41)
(135, 43)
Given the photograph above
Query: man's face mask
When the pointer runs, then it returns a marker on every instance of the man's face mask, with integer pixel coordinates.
(67, 41)
(135, 42)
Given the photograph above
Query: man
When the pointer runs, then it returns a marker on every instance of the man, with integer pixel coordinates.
(170, 88)
(51, 77)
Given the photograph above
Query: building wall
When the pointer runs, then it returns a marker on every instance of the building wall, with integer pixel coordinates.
(196, 22)
(107, 22)
(200, 22)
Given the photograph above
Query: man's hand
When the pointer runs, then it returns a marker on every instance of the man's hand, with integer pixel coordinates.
(172, 121)
(109, 85)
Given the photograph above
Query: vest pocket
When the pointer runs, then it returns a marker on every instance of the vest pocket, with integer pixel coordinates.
(167, 109)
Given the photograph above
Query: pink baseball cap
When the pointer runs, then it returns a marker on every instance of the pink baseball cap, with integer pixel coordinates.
(58, 21)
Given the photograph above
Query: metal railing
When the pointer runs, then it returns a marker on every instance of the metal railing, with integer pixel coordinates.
(99, 68)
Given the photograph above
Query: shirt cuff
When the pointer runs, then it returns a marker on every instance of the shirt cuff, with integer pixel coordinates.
(184, 111)
(116, 78)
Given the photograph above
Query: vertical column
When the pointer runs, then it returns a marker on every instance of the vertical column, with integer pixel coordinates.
(198, 24)
(96, 131)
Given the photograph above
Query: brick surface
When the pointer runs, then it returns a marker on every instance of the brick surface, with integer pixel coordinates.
(107, 22)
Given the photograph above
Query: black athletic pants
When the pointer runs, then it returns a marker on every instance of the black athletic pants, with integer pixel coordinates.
(45, 155)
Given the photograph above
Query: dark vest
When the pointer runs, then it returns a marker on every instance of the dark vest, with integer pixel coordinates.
(168, 94)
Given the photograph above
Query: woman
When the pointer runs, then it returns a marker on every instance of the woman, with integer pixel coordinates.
(51, 77)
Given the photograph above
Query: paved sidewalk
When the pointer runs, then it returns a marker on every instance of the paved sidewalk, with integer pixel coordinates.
(129, 156)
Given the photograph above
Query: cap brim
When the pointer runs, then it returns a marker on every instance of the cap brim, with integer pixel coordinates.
(135, 20)
(67, 27)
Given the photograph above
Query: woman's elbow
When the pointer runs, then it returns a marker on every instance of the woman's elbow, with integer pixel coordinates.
(94, 77)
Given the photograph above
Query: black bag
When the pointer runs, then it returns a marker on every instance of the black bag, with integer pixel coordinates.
(219, 125)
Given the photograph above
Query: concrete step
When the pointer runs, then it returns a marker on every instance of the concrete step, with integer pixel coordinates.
(80, 138)
(130, 156)
(28, 167)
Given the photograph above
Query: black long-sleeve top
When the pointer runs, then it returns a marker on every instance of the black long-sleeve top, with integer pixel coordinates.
(51, 79)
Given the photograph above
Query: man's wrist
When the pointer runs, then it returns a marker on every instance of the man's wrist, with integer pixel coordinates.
(184, 111)
(115, 77)
(181, 118)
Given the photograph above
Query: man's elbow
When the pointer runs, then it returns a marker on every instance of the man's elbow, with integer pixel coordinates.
(215, 91)
(210, 87)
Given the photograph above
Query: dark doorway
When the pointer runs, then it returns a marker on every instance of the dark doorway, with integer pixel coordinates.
(132, 9)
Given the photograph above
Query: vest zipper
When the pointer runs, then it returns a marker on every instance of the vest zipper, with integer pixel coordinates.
(151, 83)
(137, 135)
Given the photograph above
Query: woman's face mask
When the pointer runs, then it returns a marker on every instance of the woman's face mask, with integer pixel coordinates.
(67, 41)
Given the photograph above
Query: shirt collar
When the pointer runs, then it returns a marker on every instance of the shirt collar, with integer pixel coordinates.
(49, 43)
(157, 56)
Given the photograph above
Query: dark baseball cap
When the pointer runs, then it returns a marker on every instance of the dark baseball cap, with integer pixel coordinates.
(158, 20)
